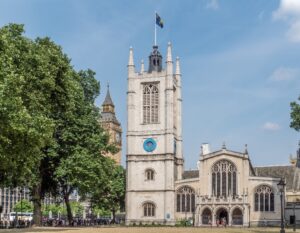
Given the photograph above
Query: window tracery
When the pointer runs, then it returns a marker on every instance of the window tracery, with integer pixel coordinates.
(185, 199)
(150, 103)
(149, 209)
(223, 174)
(264, 199)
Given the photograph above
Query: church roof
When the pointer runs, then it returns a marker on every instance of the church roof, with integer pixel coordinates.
(286, 172)
(190, 174)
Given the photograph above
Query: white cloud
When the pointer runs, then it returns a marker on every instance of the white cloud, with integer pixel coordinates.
(289, 11)
(271, 126)
(284, 74)
(213, 4)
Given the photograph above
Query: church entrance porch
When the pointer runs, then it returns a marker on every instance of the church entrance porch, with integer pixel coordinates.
(222, 217)
(206, 217)
(237, 217)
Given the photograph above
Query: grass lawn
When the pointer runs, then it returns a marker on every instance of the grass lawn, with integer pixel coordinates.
(146, 230)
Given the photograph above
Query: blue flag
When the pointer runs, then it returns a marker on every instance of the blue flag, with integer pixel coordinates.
(159, 21)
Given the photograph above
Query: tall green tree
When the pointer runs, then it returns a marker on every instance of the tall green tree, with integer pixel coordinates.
(111, 195)
(81, 144)
(295, 115)
(48, 121)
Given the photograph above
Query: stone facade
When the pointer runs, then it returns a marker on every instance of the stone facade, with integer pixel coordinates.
(154, 118)
(113, 127)
(224, 188)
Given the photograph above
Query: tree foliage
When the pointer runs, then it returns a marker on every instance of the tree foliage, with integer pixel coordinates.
(23, 206)
(25, 125)
(50, 136)
(111, 195)
(295, 115)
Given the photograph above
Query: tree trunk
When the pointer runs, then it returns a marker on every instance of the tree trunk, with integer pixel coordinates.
(69, 210)
(113, 221)
(37, 204)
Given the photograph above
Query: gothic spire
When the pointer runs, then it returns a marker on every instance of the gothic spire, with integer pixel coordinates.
(142, 66)
(169, 53)
(177, 71)
(130, 60)
(108, 100)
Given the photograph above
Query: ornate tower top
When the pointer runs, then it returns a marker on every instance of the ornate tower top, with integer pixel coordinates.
(112, 126)
(108, 111)
(108, 100)
(155, 60)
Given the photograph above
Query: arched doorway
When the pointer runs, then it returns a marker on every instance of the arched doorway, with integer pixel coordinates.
(206, 216)
(237, 217)
(222, 215)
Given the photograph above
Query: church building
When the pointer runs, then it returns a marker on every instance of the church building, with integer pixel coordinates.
(225, 187)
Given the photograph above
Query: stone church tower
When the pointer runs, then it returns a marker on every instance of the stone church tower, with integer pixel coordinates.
(154, 139)
(110, 123)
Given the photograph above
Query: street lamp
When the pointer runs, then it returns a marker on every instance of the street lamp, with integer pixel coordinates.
(281, 186)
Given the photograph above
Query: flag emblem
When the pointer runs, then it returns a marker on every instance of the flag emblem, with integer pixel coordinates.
(159, 21)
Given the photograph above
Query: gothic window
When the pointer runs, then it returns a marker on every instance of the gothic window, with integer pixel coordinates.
(264, 199)
(149, 173)
(150, 103)
(224, 178)
(149, 209)
(185, 200)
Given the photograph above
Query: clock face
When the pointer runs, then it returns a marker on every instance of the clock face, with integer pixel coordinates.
(149, 145)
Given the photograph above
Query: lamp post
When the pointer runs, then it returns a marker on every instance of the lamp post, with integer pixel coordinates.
(281, 186)
(294, 226)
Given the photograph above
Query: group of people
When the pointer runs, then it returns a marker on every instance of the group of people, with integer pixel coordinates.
(219, 222)
(6, 223)
(78, 222)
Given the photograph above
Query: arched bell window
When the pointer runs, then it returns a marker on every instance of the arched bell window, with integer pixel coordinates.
(224, 178)
(150, 103)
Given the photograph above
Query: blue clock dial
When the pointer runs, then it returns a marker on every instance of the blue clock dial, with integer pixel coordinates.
(149, 145)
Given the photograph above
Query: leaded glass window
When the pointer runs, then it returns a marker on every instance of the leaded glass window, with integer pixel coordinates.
(185, 199)
(149, 209)
(264, 199)
(223, 175)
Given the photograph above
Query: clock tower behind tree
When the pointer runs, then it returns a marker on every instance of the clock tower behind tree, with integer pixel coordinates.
(113, 127)
(154, 157)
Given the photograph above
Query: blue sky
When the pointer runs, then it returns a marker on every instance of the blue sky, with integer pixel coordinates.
(239, 62)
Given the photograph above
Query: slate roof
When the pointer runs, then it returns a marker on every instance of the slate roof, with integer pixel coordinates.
(108, 100)
(286, 172)
(190, 174)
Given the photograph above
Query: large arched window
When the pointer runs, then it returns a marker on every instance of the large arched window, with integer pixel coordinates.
(150, 103)
(149, 209)
(185, 199)
(264, 198)
(149, 174)
(224, 175)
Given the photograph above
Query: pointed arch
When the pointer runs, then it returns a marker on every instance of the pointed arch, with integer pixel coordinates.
(150, 103)
(185, 199)
(224, 178)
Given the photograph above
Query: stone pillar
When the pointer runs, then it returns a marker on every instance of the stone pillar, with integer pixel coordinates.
(229, 217)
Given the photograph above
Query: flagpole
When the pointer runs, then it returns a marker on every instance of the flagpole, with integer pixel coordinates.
(155, 30)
